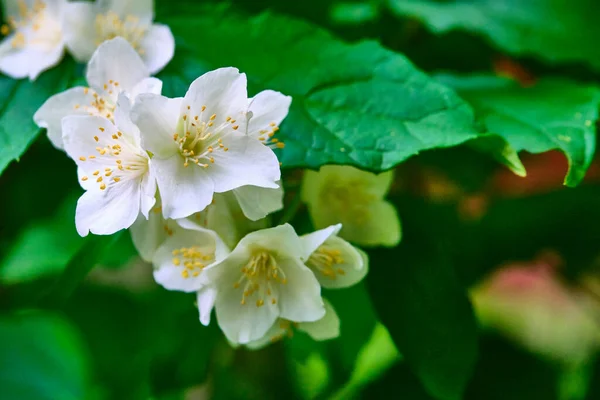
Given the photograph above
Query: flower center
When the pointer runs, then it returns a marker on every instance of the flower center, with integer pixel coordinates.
(192, 260)
(350, 198)
(33, 27)
(325, 260)
(102, 106)
(259, 277)
(122, 160)
(110, 25)
(201, 137)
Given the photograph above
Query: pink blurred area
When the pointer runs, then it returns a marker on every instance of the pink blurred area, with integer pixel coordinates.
(530, 303)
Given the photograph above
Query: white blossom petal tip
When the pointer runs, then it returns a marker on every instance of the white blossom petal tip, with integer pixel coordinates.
(334, 261)
(266, 111)
(325, 328)
(87, 25)
(34, 38)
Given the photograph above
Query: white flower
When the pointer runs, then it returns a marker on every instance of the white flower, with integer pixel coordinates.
(199, 144)
(88, 24)
(34, 41)
(266, 110)
(113, 169)
(180, 260)
(223, 215)
(335, 262)
(257, 202)
(325, 328)
(115, 68)
(354, 198)
(263, 279)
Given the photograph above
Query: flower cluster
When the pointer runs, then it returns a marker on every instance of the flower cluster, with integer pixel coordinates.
(193, 178)
(37, 33)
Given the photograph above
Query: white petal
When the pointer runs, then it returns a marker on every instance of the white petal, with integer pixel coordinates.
(325, 328)
(352, 268)
(243, 323)
(79, 132)
(158, 47)
(123, 119)
(206, 298)
(147, 85)
(300, 298)
(106, 212)
(277, 331)
(312, 241)
(47, 60)
(79, 31)
(14, 62)
(85, 184)
(268, 107)
(222, 92)
(170, 270)
(281, 239)
(86, 139)
(184, 190)
(12, 8)
(148, 193)
(27, 61)
(142, 9)
(219, 217)
(55, 7)
(115, 61)
(148, 235)
(257, 202)
(221, 249)
(157, 118)
(51, 113)
(226, 272)
(247, 162)
(380, 228)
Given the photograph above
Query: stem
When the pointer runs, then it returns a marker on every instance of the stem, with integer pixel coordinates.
(290, 211)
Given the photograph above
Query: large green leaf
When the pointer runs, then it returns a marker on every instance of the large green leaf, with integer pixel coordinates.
(553, 114)
(42, 248)
(418, 296)
(82, 262)
(41, 357)
(19, 100)
(555, 30)
(356, 104)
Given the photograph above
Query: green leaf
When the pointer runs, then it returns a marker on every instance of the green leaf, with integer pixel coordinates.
(374, 358)
(357, 322)
(520, 374)
(357, 104)
(41, 357)
(419, 298)
(78, 267)
(554, 30)
(43, 248)
(19, 100)
(553, 114)
(499, 148)
(171, 349)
